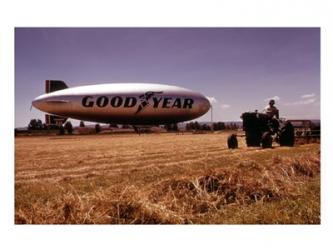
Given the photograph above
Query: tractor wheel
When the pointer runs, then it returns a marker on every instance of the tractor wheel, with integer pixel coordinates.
(266, 140)
(232, 141)
(287, 135)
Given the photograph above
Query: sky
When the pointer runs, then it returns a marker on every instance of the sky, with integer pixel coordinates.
(238, 69)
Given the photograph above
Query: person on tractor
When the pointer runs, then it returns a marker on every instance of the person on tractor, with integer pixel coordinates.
(271, 110)
(273, 114)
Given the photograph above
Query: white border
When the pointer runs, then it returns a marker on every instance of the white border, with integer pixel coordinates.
(207, 13)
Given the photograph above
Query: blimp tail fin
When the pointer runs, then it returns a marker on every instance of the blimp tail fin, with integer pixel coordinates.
(54, 85)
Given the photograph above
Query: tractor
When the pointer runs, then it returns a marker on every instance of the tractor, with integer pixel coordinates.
(261, 129)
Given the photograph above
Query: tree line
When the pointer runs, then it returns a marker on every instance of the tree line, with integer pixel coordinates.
(216, 126)
(37, 124)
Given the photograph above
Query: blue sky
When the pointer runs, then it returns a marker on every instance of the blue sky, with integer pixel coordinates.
(239, 69)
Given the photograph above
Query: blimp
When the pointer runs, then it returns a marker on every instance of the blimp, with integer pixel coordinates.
(121, 103)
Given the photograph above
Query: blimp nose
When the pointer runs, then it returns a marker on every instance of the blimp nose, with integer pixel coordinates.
(204, 105)
(52, 104)
(40, 103)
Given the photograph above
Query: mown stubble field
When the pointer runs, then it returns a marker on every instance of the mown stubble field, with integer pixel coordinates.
(163, 179)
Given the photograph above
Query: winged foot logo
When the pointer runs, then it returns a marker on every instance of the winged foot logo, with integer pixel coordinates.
(144, 99)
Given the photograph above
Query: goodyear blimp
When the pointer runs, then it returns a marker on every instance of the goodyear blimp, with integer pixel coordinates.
(122, 103)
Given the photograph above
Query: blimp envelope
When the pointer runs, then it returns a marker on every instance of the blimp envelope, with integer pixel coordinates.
(122, 103)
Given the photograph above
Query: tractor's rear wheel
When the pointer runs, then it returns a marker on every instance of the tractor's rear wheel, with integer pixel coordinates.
(287, 135)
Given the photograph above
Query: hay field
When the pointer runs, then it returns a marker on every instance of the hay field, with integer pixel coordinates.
(163, 179)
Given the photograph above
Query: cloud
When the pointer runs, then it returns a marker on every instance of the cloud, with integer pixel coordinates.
(276, 98)
(308, 96)
(301, 102)
(225, 106)
(212, 99)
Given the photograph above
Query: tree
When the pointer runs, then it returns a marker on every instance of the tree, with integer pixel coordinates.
(196, 126)
(193, 126)
(205, 127)
(69, 127)
(97, 128)
(35, 124)
(32, 124)
(219, 126)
